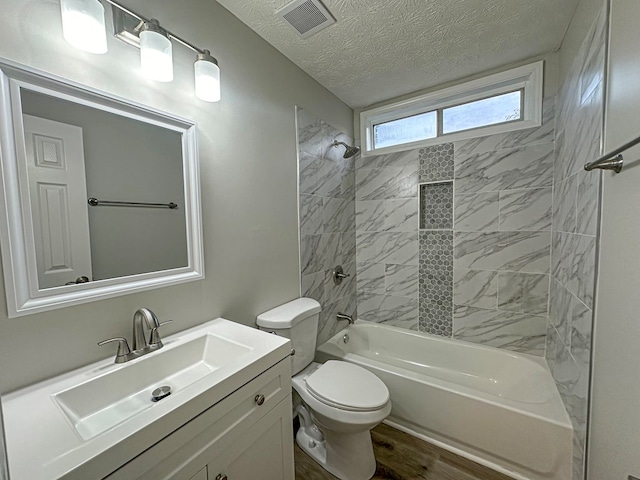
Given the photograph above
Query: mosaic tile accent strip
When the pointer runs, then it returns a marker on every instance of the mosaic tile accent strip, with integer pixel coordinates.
(436, 206)
(436, 163)
(435, 282)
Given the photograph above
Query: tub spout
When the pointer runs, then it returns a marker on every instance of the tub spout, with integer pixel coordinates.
(344, 316)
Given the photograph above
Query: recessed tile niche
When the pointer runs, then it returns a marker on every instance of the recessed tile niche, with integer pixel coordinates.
(436, 206)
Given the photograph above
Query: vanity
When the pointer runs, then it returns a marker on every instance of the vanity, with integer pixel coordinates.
(228, 415)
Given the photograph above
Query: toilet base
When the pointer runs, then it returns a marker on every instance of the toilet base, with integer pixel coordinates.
(348, 456)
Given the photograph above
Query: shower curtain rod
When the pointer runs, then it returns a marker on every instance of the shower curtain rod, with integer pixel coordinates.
(612, 160)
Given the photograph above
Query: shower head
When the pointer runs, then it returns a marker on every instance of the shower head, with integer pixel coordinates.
(349, 152)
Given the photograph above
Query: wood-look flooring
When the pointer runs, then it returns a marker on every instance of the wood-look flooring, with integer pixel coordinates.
(400, 456)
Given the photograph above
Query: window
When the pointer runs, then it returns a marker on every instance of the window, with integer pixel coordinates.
(503, 102)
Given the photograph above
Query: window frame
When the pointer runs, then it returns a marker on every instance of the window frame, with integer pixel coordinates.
(528, 78)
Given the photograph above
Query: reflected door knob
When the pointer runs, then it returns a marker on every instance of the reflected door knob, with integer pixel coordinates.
(221, 476)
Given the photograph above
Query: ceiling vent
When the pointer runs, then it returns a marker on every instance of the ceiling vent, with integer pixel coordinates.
(306, 16)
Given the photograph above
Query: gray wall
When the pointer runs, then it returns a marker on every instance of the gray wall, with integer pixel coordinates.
(143, 165)
(327, 220)
(575, 212)
(248, 176)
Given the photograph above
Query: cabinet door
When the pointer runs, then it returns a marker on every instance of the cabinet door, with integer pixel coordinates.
(264, 452)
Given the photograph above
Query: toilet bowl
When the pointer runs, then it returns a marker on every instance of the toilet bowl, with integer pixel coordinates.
(339, 402)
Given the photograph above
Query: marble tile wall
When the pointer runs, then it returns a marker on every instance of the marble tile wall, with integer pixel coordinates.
(468, 225)
(574, 230)
(327, 220)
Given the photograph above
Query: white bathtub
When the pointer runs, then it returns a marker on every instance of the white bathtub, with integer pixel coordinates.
(498, 408)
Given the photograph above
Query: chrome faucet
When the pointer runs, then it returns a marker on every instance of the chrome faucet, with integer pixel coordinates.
(143, 317)
(344, 316)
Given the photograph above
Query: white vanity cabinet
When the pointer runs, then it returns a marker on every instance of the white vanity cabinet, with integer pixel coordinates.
(247, 435)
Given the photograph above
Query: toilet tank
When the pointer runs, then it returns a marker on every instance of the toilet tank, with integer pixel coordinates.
(298, 321)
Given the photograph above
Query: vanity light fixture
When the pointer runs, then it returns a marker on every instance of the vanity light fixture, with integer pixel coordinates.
(156, 52)
(156, 43)
(207, 77)
(83, 25)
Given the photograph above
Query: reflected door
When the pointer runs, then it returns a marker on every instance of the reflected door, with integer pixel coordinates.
(58, 193)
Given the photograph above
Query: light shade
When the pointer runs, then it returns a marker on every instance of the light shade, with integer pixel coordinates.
(207, 75)
(83, 25)
(156, 57)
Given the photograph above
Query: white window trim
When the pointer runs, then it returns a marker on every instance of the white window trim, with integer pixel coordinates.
(528, 77)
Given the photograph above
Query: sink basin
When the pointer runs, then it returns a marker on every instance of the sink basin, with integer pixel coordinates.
(105, 401)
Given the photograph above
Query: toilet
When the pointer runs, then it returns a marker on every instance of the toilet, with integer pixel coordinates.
(339, 402)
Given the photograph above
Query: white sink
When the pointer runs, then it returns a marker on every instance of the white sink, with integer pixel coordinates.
(83, 423)
(103, 402)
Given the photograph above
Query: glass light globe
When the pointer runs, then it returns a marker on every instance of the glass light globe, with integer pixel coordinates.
(207, 76)
(156, 57)
(83, 25)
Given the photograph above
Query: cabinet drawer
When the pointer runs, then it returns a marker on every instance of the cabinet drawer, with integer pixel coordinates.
(180, 456)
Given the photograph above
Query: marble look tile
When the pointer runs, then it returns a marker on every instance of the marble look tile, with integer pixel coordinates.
(371, 277)
(584, 268)
(436, 206)
(475, 146)
(401, 215)
(565, 194)
(560, 310)
(311, 133)
(408, 158)
(510, 291)
(313, 286)
(401, 248)
(536, 294)
(436, 163)
(310, 215)
(517, 168)
(385, 183)
(330, 250)
(525, 209)
(348, 185)
(333, 292)
(530, 136)
(475, 288)
(348, 246)
(477, 212)
(310, 255)
(514, 251)
(338, 215)
(328, 325)
(550, 346)
(523, 292)
(587, 204)
(396, 311)
(513, 331)
(401, 280)
(572, 381)
(319, 176)
(388, 247)
(581, 326)
(370, 215)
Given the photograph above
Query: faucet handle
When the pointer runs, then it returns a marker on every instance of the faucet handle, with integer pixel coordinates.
(154, 338)
(123, 348)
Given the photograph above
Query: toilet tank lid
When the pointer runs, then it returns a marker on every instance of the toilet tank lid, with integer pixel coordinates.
(289, 314)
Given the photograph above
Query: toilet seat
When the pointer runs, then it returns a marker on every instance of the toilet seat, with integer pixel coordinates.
(347, 386)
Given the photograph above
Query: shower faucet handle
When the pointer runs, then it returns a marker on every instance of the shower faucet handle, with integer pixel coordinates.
(339, 275)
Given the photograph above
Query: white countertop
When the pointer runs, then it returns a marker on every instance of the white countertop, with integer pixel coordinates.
(42, 443)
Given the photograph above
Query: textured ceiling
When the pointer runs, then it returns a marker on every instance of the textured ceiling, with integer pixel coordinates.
(380, 49)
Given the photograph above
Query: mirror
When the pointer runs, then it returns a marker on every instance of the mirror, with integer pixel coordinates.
(101, 195)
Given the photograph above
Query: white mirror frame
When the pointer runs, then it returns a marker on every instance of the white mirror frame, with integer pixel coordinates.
(16, 228)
